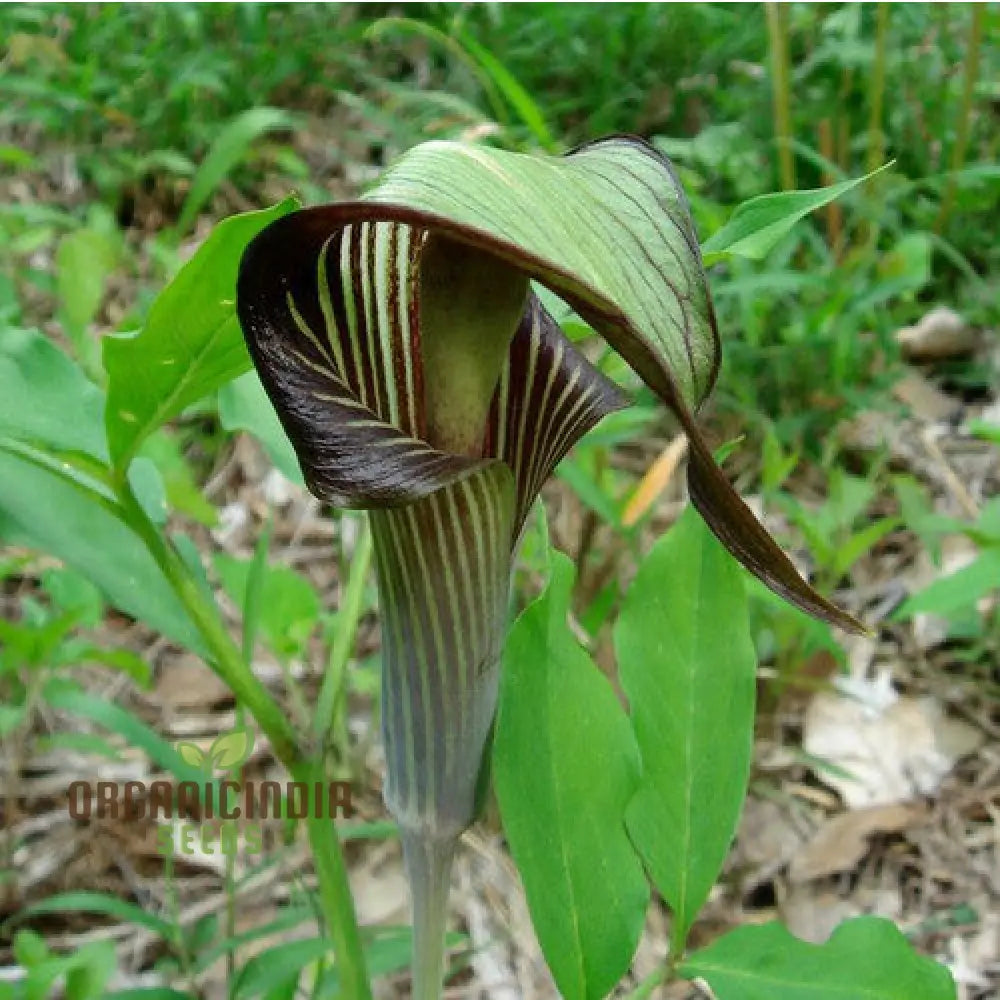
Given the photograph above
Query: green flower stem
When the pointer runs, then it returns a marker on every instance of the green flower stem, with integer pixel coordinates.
(428, 866)
(336, 901)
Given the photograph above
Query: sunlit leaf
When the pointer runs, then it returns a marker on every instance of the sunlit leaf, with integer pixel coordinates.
(758, 224)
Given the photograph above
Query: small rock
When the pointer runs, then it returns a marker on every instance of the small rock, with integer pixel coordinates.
(942, 333)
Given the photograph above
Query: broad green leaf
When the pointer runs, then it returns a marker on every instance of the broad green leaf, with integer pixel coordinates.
(104, 904)
(865, 959)
(147, 485)
(758, 224)
(244, 406)
(190, 345)
(46, 397)
(565, 766)
(231, 749)
(687, 664)
(69, 520)
(229, 148)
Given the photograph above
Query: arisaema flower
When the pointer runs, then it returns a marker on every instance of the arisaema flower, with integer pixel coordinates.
(419, 377)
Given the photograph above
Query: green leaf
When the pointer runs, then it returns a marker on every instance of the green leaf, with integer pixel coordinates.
(81, 743)
(182, 492)
(565, 766)
(68, 697)
(229, 148)
(149, 993)
(84, 261)
(191, 343)
(517, 97)
(253, 591)
(861, 542)
(758, 224)
(125, 660)
(278, 966)
(74, 594)
(288, 917)
(289, 606)
(104, 904)
(72, 521)
(46, 398)
(956, 591)
(687, 665)
(30, 949)
(244, 406)
(865, 959)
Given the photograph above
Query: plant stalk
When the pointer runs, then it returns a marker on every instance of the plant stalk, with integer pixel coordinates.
(965, 116)
(428, 866)
(336, 901)
(876, 134)
(777, 34)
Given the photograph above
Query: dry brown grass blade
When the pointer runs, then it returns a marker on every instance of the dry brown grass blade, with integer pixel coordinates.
(655, 481)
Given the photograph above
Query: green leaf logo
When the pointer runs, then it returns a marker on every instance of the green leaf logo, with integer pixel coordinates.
(191, 754)
(231, 749)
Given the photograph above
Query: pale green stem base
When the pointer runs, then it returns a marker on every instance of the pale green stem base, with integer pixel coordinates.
(428, 864)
